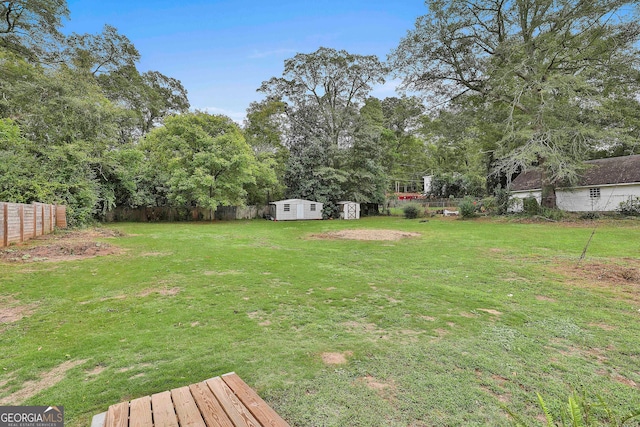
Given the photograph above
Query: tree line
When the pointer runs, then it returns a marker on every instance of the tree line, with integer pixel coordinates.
(490, 88)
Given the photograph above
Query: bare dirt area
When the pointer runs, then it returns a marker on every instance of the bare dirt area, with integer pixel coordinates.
(330, 358)
(364, 234)
(622, 277)
(11, 310)
(64, 246)
(46, 380)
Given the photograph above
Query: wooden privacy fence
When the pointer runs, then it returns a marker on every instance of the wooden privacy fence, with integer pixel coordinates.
(22, 222)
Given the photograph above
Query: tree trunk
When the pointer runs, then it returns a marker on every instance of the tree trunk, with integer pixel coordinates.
(548, 197)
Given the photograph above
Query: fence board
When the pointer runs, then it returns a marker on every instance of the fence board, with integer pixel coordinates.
(20, 222)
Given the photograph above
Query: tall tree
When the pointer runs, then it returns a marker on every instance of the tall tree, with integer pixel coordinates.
(264, 129)
(549, 66)
(333, 82)
(323, 92)
(405, 157)
(204, 159)
(101, 53)
(366, 179)
(147, 99)
(29, 28)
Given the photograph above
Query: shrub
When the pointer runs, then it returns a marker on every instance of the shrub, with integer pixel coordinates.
(553, 214)
(490, 205)
(503, 201)
(630, 207)
(579, 411)
(530, 206)
(467, 208)
(411, 211)
(590, 215)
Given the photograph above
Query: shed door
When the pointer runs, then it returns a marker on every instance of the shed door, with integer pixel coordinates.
(300, 212)
(351, 211)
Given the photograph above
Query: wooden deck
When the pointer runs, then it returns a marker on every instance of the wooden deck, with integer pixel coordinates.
(224, 401)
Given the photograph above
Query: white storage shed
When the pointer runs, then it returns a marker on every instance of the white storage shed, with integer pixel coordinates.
(295, 209)
(349, 210)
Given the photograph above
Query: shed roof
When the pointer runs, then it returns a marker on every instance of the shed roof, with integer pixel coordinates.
(614, 170)
(293, 201)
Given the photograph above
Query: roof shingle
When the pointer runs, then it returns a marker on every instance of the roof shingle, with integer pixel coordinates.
(614, 170)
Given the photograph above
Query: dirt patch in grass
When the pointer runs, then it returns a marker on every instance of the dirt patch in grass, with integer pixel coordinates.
(622, 277)
(336, 358)
(47, 380)
(96, 370)
(603, 326)
(490, 311)
(162, 291)
(366, 235)
(11, 310)
(64, 246)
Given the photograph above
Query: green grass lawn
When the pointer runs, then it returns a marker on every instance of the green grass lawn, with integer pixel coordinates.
(443, 329)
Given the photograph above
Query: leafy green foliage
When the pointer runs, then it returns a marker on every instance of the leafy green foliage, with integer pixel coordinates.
(530, 206)
(579, 411)
(546, 75)
(411, 211)
(468, 208)
(29, 28)
(447, 185)
(334, 147)
(205, 159)
(630, 207)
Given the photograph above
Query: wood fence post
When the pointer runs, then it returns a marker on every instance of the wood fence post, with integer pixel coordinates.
(21, 216)
(35, 220)
(5, 225)
(42, 213)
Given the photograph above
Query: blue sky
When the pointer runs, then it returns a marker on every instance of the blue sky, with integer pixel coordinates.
(221, 51)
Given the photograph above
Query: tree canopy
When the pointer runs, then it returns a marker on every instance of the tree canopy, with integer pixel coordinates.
(552, 70)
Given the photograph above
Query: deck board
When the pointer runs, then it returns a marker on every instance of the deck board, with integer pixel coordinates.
(164, 415)
(209, 406)
(225, 401)
(258, 407)
(186, 408)
(140, 412)
(118, 415)
(236, 411)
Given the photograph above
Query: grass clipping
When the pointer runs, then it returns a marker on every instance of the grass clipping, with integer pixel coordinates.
(363, 234)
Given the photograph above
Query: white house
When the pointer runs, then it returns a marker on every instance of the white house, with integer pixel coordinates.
(427, 180)
(294, 209)
(349, 210)
(603, 185)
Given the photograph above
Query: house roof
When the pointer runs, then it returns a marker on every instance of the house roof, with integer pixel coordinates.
(614, 170)
(279, 202)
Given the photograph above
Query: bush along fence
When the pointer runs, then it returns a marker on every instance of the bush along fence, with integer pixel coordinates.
(153, 214)
(21, 222)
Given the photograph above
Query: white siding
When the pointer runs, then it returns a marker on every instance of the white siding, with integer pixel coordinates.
(517, 197)
(287, 210)
(581, 200)
(349, 210)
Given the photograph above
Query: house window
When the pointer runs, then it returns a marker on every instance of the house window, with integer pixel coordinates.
(594, 193)
(313, 207)
(287, 207)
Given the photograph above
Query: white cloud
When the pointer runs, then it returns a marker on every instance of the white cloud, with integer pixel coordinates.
(388, 89)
